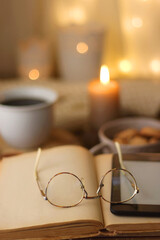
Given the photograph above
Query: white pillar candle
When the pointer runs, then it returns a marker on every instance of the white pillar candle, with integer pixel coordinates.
(104, 99)
(79, 52)
(34, 60)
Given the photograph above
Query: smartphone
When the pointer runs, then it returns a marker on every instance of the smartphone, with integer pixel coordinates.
(146, 170)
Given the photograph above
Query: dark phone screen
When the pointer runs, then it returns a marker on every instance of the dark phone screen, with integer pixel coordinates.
(147, 175)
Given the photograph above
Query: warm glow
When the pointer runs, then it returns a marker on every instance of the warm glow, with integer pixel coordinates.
(34, 74)
(155, 66)
(137, 22)
(125, 66)
(104, 75)
(77, 15)
(82, 47)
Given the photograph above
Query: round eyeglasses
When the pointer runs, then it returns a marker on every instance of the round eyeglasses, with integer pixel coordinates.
(66, 189)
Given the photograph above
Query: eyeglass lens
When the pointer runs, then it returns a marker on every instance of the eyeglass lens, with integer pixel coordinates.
(64, 190)
(123, 186)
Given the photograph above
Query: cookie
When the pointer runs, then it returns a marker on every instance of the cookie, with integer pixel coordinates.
(153, 140)
(127, 134)
(138, 140)
(150, 132)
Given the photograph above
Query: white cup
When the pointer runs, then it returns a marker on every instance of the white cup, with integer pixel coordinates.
(30, 125)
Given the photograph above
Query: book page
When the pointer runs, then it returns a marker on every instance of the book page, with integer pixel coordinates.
(21, 204)
(121, 223)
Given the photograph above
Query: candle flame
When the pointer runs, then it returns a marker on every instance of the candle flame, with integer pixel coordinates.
(104, 75)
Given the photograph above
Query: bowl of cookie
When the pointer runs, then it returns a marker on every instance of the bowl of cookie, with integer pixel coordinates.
(135, 135)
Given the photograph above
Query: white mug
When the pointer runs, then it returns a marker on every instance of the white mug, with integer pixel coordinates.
(26, 116)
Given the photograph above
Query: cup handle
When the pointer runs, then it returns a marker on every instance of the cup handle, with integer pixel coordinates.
(101, 146)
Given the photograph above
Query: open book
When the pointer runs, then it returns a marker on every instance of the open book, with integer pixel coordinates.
(25, 214)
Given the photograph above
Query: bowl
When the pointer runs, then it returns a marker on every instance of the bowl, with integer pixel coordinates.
(107, 132)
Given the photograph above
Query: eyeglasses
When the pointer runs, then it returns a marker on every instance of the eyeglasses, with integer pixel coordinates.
(61, 185)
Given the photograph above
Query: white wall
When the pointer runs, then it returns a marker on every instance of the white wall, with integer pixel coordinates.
(18, 21)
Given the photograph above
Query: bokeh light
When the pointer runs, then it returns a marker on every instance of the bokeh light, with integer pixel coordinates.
(137, 22)
(125, 66)
(34, 74)
(82, 47)
(155, 65)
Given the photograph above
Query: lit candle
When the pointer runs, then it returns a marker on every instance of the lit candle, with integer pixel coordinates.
(104, 99)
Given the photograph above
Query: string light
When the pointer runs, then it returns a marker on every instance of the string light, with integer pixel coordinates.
(155, 65)
(125, 66)
(77, 15)
(137, 22)
(34, 74)
(82, 47)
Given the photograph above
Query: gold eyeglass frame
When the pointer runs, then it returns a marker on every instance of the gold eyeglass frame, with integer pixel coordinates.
(84, 192)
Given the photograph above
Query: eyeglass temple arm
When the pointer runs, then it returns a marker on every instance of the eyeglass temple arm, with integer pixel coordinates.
(122, 165)
(35, 171)
(119, 155)
(100, 146)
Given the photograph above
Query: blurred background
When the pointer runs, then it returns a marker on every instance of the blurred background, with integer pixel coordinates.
(131, 30)
(61, 44)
